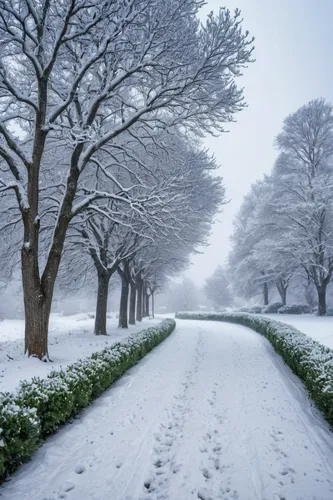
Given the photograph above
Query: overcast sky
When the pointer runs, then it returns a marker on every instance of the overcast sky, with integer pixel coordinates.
(294, 64)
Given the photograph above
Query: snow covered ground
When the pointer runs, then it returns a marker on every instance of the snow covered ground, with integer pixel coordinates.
(71, 338)
(318, 328)
(212, 414)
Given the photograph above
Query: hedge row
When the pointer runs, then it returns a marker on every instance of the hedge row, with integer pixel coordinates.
(310, 360)
(277, 307)
(40, 406)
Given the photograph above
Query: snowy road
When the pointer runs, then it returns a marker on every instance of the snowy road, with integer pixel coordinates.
(212, 413)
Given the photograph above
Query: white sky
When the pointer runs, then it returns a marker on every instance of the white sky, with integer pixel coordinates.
(294, 64)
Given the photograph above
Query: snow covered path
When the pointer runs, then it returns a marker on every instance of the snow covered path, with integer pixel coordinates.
(212, 413)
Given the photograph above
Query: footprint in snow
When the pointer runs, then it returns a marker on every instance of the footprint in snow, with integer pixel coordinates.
(68, 486)
(204, 495)
(206, 474)
(80, 468)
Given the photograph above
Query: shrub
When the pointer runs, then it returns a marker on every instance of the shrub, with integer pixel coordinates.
(52, 400)
(250, 310)
(295, 309)
(306, 309)
(272, 308)
(310, 360)
(255, 309)
(40, 406)
(19, 433)
(244, 309)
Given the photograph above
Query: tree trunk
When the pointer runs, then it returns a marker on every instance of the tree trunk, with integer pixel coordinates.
(37, 302)
(321, 301)
(282, 287)
(283, 294)
(37, 314)
(102, 304)
(139, 289)
(146, 305)
(132, 305)
(123, 303)
(144, 293)
(143, 302)
(153, 305)
(38, 290)
(265, 294)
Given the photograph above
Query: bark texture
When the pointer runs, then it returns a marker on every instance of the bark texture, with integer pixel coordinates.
(321, 301)
(139, 302)
(102, 304)
(123, 308)
(131, 319)
(265, 294)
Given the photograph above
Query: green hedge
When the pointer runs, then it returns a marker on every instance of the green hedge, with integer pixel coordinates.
(310, 360)
(40, 406)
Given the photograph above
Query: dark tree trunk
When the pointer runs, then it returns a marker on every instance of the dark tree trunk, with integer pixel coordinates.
(321, 301)
(139, 293)
(102, 304)
(123, 323)
(37, 298)
(265, 294)
(282, 287)
(37, 314)
(143, 301)
(283, 294)
(153, 305)
(38, 290)
(144, 293)
(132, 305)
(146, 304)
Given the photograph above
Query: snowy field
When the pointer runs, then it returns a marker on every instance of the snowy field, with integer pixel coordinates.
(71, 338)
(318, 328)
(212, 414)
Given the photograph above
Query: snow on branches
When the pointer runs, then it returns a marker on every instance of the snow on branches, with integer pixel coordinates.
(82, 82)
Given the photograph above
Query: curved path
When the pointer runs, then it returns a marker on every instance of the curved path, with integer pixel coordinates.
(211, 414)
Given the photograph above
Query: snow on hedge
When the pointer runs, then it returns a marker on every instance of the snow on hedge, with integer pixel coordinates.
(310, 360)
(41, 405)
(70, 339)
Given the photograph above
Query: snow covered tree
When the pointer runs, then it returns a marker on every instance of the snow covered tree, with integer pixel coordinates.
(285, 226)
(248, 273)
(183, 296)
(76, 75)
(303, 177)
(181, 190)
(217, 289)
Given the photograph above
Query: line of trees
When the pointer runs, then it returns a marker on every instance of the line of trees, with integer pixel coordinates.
(283, 233)
(101, 107)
